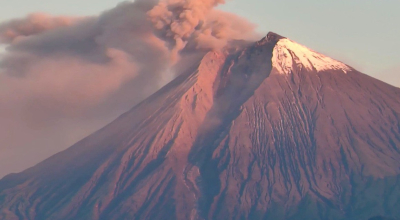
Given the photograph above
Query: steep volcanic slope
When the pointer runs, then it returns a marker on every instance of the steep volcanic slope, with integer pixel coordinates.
(271, 131)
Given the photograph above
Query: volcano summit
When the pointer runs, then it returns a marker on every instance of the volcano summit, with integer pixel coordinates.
(272, 130)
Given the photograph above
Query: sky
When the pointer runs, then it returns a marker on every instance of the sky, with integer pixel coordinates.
(363, 34)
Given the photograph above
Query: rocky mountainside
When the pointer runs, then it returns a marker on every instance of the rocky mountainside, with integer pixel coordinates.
(273, 130)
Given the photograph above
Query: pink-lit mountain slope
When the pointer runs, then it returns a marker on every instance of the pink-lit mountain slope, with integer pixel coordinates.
(270, 131)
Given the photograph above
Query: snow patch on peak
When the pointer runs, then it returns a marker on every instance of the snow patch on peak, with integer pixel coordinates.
(288, 55)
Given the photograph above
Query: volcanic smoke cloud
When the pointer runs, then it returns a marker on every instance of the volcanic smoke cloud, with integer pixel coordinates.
(31, 25)
(195, 22)
(93, 68)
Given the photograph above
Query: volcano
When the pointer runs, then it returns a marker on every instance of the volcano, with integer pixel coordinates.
(270, 130)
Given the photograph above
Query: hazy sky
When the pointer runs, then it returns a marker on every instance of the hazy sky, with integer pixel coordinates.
(363, 34)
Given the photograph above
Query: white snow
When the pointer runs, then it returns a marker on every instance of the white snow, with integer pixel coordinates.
(288, 54)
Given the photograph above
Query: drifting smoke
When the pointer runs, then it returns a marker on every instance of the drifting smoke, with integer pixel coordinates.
(31, 25)
(82, 64)
(93, 68)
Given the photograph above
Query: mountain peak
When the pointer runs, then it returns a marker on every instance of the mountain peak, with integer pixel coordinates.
(231, 139)
(271, 37)
(289, 56)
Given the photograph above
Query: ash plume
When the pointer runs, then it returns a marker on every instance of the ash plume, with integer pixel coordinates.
(90, 69)
(197, 24)
(31, 25)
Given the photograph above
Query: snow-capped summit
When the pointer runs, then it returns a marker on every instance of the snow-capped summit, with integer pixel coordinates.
(288, 55)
